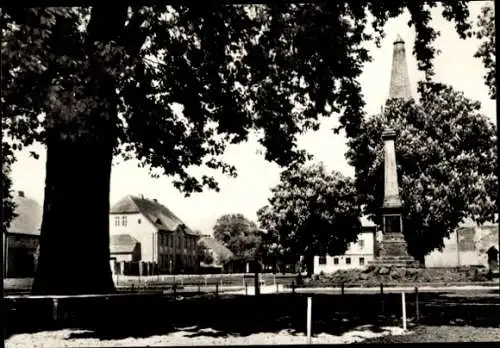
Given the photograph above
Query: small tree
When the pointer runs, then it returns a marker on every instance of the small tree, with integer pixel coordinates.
(238, 234)
(311, 212)
(446, 155)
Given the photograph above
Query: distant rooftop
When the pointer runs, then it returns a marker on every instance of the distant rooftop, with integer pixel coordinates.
(159, 215)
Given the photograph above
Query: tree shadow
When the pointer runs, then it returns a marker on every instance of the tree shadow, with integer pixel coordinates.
(240, 315)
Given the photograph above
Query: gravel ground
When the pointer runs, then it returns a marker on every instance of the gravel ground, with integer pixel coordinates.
(192, 337)
(438, 334)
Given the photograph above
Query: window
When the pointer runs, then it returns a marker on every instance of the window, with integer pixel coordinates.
(361, 243)
(117, 221)
(139, 221)
(347, 260)
(124, 221)
(361, 260)
(335, 260)
(322, 260)
(392, 223)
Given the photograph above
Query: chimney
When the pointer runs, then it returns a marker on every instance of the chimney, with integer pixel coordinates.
(20, 193)
(155, 200)
(400, 82)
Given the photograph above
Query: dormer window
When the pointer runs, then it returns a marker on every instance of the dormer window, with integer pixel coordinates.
(117, 221)
(124, 220)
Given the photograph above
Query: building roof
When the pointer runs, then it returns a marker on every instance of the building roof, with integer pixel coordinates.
(221, 252)
(29, 215)
(159, 215)
(122, 244)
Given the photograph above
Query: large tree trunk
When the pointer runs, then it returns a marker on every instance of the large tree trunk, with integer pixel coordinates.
(74, 245)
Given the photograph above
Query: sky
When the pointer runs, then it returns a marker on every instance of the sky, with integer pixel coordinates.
(455, 66)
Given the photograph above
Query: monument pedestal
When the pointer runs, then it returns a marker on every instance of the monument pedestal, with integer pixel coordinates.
(393, 252)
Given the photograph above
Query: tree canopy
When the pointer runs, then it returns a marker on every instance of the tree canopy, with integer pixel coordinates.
(446, 156)
(230, 68)
(8, 205)
(311, 212)
(238, 234)
(172, 86)
(487, 49)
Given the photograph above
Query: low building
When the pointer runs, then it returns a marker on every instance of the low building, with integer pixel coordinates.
(469, 245)
(357, 255)
(214, 257)
(147, 238)
(22, 238)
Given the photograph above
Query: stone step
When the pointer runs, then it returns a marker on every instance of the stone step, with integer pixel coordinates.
(394, 263)
(396, 257)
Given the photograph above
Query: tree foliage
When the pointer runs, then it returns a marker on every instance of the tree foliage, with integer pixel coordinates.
(205, 255)
(446, 158)
(311, 212)
(230, 71)
(239, 235)
(90, 83)
(8, 204)
(487, 50)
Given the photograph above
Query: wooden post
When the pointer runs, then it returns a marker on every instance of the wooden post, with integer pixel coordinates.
(55, 310)
(382, 298)
(293, 287)
(246, 288)
(199, 287)
(417, 310)
(217, 288)
(309, 310)
(403, 309)
(277, 288)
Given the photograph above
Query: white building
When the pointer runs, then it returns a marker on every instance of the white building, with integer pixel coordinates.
(358, 254)
(468, 245)
(147, 238)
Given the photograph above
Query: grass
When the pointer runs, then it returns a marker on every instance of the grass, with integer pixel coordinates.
(440, 334)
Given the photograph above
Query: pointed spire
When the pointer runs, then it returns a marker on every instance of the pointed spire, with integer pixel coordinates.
(400, 82)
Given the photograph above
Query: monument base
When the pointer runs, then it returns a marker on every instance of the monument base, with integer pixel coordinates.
(388, 261)
(393, 252)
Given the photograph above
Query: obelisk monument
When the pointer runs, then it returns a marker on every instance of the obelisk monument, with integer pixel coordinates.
(393, 248)
(400, 82)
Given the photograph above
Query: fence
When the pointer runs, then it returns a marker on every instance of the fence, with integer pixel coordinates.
(189, 284)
